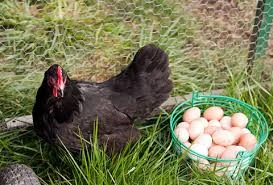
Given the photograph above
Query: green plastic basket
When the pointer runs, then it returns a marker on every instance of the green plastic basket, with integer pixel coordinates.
(257, 125)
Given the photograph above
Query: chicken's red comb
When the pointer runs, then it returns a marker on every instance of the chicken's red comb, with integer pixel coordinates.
(59, 75)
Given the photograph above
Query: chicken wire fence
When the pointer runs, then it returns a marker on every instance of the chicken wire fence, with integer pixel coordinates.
(206, 40)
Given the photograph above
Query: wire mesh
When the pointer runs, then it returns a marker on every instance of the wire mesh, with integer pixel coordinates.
(206, 39)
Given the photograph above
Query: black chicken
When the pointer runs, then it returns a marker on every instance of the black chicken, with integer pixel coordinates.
(64, 106)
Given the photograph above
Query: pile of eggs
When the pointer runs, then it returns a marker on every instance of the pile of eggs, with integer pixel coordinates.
(214, 134)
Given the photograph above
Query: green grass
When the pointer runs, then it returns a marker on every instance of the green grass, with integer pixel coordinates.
(95, 40)
(150, 161)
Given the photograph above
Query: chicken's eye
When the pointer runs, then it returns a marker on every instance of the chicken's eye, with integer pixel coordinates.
(52, 81)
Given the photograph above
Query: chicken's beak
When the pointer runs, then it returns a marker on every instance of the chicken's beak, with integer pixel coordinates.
(55, 91)
(58, 92)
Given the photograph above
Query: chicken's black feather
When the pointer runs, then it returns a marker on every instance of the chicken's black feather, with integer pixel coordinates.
(134, 93)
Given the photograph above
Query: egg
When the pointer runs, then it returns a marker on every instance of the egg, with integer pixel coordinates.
(232, 151)
(211, 129)
(218, 168)
(225, 168)
(213, 144)
(239, 120)
(182, 134)
(239, 149)
(191, 114)
(213, 113)
(203, 164)
(223, 137)
(204, 139)
(196, 129)
(204, 121)
(214, 123)
(225, 122)
(245, 131)
(220, 173)
(236, 131)
(216, 151)
(187, 145)
(248, 141)
(184, 125)
(200, 149)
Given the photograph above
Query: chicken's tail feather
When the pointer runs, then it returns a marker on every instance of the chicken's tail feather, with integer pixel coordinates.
(146, 79)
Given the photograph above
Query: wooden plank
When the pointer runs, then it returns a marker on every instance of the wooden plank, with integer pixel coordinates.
(17, 122)
(26, 121)
(169, 104)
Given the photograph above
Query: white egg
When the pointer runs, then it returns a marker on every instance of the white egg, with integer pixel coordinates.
(218, 168)
(200, 149)
(185, 125)
(203, 164)
(225, 168)
(182, 134)
(204, 121)
(240, 148)
(187, 145)
(214, 123)
(204, 139)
